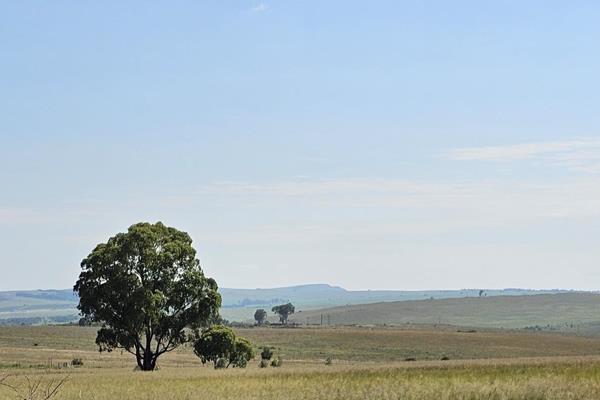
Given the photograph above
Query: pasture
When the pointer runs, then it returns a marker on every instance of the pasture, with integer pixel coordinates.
(571, 312)
(368, 363)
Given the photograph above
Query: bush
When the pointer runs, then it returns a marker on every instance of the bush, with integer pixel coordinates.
(214, 343)
(328, 361)
(220, 345)
(242, 353)
(266, 353)
(277, 362)
(240, 362)
(77, 362)
(263, 364)
(221, 363)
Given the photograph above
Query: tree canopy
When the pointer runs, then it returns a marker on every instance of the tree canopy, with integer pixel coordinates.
(145, 287)
(260, 315)
(284, 311)
(220, 343)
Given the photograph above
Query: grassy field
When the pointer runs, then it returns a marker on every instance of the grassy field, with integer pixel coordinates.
(368, 363)
(522, 379)
(563, 311)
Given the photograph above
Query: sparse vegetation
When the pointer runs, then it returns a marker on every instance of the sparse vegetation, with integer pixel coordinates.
(26, 388)
(277, 362)
(77, 362)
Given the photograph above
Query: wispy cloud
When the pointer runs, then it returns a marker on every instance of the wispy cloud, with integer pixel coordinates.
(582, 155)
(260, 7)
(485, 200)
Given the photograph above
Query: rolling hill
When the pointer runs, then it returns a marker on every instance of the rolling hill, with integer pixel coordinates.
(558, 311)
(57, 306)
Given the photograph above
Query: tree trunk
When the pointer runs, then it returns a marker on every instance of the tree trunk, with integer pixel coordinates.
(146, 361)
(149, 361)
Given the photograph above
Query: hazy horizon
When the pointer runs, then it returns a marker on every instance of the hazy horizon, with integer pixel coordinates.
(381, 146)
(356, 289)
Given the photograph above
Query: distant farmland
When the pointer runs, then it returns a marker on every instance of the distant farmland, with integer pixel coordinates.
(35, 307)
(562, 311)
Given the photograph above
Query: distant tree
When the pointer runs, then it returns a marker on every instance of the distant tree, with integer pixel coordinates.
(284, 311)
(146, 288)
(481, 292)
(85, 321)
(260, 315)
(220, 343)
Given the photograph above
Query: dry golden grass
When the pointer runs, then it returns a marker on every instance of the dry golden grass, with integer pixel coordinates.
(423, 343)
(359, 370)
(517, 379)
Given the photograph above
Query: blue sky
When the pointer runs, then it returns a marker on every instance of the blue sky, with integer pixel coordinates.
(395, 145)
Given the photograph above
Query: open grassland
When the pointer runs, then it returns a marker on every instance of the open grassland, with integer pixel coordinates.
(367, 364)
(32, 345)
(40, 345)
(564, 311)
(516, 379)
(422, 343)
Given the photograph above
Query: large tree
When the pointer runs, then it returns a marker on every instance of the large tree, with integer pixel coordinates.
(146, 288)
(284, 311)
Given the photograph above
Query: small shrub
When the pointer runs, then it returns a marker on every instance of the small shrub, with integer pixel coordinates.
(263, 363)
(240, 362)
(277, 362)
(221, 363)
(266, 353)
(328, 361)
(77, 362)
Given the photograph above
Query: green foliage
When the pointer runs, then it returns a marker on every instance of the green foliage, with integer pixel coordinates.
(284, 311)
(266, 353)
(243, 353)
(146, 287)
(220, 342)
(215, 343)
(277, 362)
(260, 315)
(240, 362)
